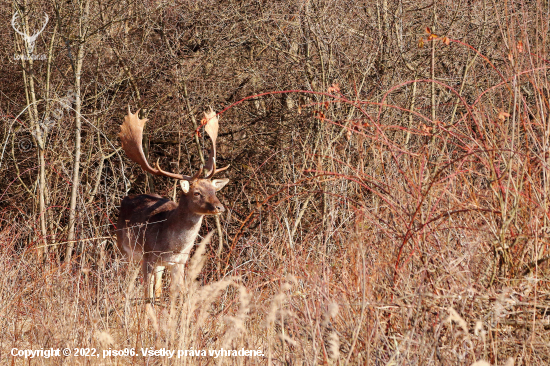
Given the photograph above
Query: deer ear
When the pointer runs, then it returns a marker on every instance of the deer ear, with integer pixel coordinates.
(184, 186)
(219, 183)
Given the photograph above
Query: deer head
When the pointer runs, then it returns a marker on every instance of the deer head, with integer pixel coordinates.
(199, 193)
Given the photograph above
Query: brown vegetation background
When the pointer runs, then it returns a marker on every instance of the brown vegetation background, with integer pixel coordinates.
(389, 190)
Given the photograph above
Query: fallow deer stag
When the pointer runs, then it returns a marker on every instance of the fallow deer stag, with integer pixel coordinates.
(158, 231)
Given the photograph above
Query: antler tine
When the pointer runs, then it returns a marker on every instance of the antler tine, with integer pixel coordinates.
(211, 162)
(210, 173)
(131, 136)
(177, 176)
(215, 171)
(197, 174)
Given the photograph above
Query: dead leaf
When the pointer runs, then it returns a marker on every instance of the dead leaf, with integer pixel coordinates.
(519, 46)
(426, 129)
(334, 88)
(503, 115)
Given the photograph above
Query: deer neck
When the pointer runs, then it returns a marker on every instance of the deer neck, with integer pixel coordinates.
(184, 225)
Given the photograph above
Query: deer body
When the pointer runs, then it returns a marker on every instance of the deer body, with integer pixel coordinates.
(155, 227)
(158, 231)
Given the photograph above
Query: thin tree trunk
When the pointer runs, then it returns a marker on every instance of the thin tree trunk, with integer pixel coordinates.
(78, 133)
(77, 152)
(38, 134)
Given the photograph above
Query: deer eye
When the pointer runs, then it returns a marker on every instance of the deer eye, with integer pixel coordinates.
(197, 194)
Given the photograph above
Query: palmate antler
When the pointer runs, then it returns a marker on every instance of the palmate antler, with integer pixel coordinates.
(131, 136)
(211, 129)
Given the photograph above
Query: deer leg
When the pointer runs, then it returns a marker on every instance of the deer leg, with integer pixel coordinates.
(177, 272)
(158, 281)
(148, 280)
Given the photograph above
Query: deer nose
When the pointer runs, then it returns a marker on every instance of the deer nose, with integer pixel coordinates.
(220, 208)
